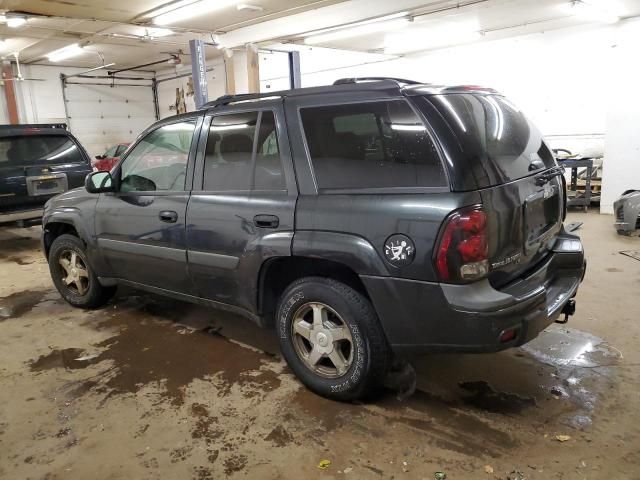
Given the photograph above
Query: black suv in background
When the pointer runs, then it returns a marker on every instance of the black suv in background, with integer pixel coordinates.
(364, 219)
(37, 162)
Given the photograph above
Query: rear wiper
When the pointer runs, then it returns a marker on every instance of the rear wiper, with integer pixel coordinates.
(544, 177)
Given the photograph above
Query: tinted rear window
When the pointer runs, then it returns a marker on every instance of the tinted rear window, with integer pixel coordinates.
(495, 133)
(31, 149)
(370, 145)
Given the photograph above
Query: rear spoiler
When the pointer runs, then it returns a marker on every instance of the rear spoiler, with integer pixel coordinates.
(62, 126)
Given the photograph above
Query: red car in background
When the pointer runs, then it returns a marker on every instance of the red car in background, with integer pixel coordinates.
(108, 159)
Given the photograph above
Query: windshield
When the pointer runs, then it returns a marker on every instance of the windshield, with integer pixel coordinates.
(494, 135)
(38, 149)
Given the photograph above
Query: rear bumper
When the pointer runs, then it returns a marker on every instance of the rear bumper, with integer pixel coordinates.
(424, 316)
(21, 215)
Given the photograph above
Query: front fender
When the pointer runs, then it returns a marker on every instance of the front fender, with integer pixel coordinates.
(351, 250)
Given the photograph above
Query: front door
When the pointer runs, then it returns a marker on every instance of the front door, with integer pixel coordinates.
(141, 227)
(242, 206)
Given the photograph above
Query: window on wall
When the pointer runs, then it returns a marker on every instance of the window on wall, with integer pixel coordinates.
(159, 160)
(242, 153)
(370, 145)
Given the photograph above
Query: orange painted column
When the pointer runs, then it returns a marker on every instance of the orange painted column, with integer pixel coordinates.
(10, 92)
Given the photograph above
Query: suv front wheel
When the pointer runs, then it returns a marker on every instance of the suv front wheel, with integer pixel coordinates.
(72, 275)
(330, 336)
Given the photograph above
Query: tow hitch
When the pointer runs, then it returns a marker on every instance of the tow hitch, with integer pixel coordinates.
(568, 310)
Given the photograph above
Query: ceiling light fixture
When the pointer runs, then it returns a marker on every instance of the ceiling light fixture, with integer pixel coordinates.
(359, 29)
(595, 11)
(426, 38)
(188, 10)
(67, 52)
(354, 24)
(251, 8)
(158, 32)
(15, 22)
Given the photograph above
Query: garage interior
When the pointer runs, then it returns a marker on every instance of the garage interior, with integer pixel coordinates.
(149, 387)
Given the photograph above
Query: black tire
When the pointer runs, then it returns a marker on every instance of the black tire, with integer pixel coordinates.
(370, 357)
(93, 295)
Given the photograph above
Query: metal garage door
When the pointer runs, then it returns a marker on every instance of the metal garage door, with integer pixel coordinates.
(101, 115)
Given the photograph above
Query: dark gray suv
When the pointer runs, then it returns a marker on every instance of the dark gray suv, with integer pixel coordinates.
(360, 220)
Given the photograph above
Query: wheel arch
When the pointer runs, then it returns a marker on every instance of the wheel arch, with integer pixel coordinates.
(56, 227)
(279, 272)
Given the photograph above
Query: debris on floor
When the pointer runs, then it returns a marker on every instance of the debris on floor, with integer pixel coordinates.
(573, 226)
(635, 254)
(515, 475)
(324, 464)
(563, 438)
(439, 476)
(488, 469)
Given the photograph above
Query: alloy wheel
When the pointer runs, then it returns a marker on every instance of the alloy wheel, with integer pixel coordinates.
(322, 340)
(75, 274)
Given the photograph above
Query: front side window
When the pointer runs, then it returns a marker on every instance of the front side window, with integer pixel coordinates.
(39, 149)
(159, 161)
(242, 153)
(370, 145)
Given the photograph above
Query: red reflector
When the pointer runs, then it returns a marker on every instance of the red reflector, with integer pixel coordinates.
(508, 335)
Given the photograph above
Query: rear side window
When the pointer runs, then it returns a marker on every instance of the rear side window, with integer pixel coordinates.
(496, 134)
(39, 149)
(242, 153)
(370, 145)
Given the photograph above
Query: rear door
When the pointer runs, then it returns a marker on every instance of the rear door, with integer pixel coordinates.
(242, 206)
(141, 227)
(37, 165)
(494, 147)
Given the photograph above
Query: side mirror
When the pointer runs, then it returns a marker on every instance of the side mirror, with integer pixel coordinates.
(100, 157)
(99, 182)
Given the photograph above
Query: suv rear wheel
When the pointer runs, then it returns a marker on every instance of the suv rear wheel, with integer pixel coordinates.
(72, 276)
(330, 336)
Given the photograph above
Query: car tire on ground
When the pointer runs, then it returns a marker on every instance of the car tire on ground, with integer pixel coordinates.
(72, 275)
(330, 336)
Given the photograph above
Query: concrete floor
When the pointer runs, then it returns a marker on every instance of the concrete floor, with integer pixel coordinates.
(151, 388)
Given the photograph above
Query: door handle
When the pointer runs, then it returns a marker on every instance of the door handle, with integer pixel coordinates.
(168, 216)
(266, 221)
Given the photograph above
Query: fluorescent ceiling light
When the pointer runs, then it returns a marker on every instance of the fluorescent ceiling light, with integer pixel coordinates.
(356, 31)
(355, 24)
(15, 22)
(64, 53)
(3, 18)
(596, 11)
(426, 38)
(158, 32)
(186, 10)
(251, 8)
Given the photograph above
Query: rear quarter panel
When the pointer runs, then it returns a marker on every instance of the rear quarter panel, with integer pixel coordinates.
(362, 224)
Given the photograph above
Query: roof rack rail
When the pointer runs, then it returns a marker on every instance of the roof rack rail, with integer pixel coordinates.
(399, 81)
(35, 125)
(239, 97)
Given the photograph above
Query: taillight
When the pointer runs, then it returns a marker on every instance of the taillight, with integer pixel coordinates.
(462, 253)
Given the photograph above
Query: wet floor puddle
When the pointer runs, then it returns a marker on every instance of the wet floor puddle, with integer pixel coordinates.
(20, 303)
(147, 350)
